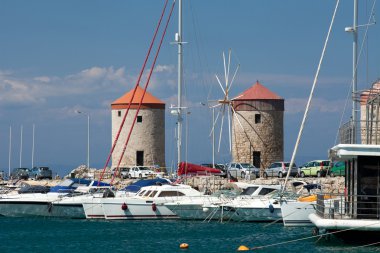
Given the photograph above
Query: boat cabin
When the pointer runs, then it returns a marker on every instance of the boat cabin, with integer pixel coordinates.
(163, 191)
(362, 182)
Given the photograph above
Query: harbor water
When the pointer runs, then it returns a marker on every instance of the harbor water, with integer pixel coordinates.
(64, 235)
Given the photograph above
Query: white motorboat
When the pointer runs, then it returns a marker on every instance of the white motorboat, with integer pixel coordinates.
(252, 209)
(71, 205)
(208, 207)
(93, 204)
(149, 203)
(296, 208)
(40, 204)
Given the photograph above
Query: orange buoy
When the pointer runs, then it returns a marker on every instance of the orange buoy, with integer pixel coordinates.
(184, 245)
(243, 248)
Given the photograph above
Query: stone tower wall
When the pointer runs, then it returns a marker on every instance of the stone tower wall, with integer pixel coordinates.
(267, 137)
(147, 136)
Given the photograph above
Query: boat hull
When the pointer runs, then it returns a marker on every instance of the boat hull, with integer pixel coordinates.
(251, 214)
(25, 208)
(68, 210)
(135, 209)
(344, 224)
(295, 213)
(195, 211)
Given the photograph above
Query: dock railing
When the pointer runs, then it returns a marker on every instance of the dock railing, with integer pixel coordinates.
(343, 206)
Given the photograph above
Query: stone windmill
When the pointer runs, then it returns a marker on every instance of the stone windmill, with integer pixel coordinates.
(146, 146)
(258, 127)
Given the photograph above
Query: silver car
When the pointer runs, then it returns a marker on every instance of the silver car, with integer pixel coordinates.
(242, 169)
(280, 169)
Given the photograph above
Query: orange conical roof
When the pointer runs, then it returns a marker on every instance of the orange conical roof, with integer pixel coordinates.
(257, 92)
(149, 101)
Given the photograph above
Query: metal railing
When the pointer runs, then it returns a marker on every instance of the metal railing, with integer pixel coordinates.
(341, 206)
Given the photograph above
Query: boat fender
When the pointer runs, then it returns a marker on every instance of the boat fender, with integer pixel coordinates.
(124, 207)
(184, 245)
(154, 207)
(50, 206)
(271, 208)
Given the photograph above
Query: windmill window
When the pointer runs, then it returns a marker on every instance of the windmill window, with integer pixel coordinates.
(257, 118)
(139, 119)
(119, 113)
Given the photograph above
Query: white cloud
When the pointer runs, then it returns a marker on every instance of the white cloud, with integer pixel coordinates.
(98, 74)
(44, 79)
(15, 90)
(164, 68)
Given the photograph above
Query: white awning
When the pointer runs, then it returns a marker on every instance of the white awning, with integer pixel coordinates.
(349, 151)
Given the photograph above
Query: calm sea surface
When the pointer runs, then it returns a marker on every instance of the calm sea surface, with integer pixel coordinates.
(61, 235)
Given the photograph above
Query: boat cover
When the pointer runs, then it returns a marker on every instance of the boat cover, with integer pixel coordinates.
(193, 169)
(136, 186)
(70, 184)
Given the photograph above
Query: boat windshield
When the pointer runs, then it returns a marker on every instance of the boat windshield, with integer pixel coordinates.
(141, 193)
(66, 182)
(249, 191)
(147, 193)
(266, 191)
(153, 194)
(171, 194)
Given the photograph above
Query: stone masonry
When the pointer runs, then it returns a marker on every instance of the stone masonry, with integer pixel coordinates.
(147, 136)
(265, 137)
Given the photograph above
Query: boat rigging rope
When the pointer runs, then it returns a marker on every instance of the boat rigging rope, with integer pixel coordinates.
(365, 39)
(310, 97)
(145, 88)
(133, 94)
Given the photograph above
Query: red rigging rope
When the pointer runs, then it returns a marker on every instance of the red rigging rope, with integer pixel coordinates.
(133, 94)
(145, 88)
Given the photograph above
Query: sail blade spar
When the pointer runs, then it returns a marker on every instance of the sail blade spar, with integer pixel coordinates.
(225, 103)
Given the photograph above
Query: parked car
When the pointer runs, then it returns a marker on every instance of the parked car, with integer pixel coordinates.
(40, 173)
(20, 173)
(242, 169)
(317, 168)
(337, 169)
(280, 169)
(124, 172)
(139, 172)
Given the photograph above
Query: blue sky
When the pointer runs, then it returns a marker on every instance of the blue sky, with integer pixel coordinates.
(61, 56)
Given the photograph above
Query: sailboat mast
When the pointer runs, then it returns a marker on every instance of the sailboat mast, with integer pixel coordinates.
(179, 106)
(21, 130)
(33, 147)
(354, 73)
(10, 151)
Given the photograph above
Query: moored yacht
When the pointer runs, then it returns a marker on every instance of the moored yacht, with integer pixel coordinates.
(38, 204)
(208, 207)
(149, 202)
(260, 208)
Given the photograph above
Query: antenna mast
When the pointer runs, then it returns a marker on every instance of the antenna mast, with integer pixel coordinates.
(180, 72)
(354, 72)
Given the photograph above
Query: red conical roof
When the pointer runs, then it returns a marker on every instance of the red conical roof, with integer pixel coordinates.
(257, 92)
(149, 101)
